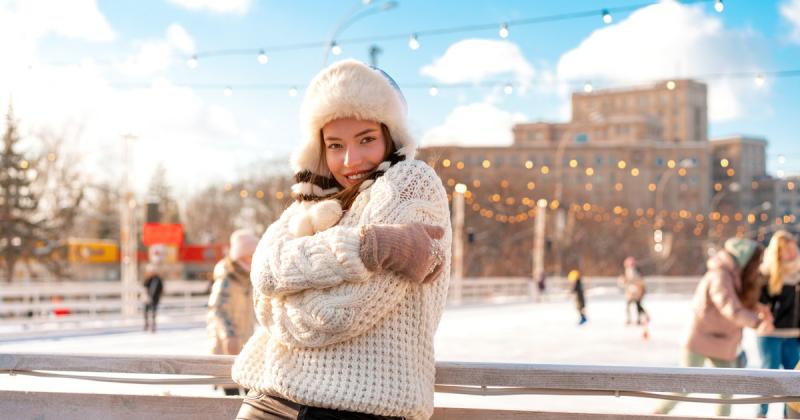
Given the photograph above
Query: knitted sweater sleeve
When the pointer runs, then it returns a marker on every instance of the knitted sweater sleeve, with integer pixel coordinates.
(412, 192)
(284, 264)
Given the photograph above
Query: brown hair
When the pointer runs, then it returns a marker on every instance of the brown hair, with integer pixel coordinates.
(751, 279)
(348, 195)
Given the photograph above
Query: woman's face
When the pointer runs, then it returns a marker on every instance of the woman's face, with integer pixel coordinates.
(353, 149)
(789, 251)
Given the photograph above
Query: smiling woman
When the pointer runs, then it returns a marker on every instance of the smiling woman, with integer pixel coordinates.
(350, 283)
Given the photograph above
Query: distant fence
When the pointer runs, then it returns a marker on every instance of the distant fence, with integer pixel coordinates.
(487, 289)
(480, 379)
(60, 305)
(43, 306)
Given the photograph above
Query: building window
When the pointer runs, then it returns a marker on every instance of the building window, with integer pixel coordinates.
(581, 138)
(659, 161)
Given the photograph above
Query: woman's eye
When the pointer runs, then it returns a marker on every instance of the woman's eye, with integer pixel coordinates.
(366, 140)
(334, 146)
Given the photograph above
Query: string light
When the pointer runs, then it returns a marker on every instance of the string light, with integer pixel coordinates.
(671, 85)
(508, 89)
(262, 57)
(228, 91)
(413, 42)
(719, 6)
(335, 48)
(760, 80)
(192, 62)
(503, 32)
(293, 91)
(433, 91)
(607, 17)
(587, 87)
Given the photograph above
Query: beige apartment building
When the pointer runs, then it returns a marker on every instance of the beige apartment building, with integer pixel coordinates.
(642, 147)
(629, 162)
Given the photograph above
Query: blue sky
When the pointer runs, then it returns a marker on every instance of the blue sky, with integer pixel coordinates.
(104, 68)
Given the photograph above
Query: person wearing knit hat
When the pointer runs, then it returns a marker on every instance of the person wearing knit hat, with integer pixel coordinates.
(231, 319)
(725, 301)
(350, 282)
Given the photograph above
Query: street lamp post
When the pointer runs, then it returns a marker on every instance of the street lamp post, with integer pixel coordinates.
(128, 238)
(559, 192)
(662, 239)
(538, 239)
(367, 8)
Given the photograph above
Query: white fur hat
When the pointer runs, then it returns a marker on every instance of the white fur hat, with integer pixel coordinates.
(350, 89)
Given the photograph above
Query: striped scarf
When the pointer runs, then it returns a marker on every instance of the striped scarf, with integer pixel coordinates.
(311, 187)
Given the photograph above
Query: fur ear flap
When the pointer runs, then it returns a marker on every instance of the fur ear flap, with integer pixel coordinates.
(325, 214)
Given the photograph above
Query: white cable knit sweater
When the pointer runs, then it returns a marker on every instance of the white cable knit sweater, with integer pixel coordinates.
(335, 335)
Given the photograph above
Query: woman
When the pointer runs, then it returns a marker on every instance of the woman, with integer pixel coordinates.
(780, 266)
(632, 282)
(350, 283)
(230, 320)
(725, 301)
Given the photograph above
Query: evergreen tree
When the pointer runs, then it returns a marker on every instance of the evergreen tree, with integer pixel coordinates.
(20, 232)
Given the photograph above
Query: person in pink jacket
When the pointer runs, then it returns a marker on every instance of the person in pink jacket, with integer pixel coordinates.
(725, 301)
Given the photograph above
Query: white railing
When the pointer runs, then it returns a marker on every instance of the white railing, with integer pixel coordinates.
(59, 305)
(487, 289)
(480, 379)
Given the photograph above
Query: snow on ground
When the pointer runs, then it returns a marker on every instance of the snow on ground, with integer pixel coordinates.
(545, 332)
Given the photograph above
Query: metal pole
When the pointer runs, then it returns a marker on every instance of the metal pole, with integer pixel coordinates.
(458, 241)
(128, 236)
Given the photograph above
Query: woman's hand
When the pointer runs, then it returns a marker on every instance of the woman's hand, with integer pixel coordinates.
(409, 249)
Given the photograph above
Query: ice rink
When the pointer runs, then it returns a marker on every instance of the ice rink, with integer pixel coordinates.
(544, 332)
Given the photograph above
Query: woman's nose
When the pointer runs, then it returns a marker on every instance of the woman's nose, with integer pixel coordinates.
(352, 157)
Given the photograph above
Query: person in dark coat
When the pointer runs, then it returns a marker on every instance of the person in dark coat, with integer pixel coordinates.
(574, 278)
(154, 287)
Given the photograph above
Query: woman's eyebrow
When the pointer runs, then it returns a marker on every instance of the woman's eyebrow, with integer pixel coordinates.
(359, 134)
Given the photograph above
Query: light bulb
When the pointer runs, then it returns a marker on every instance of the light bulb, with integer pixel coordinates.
(228, 91)
(760, 80)
(719, 6)
(508, 89)
(607, 18)
(335, 49)
(192, 62)
(433, 91)
(292, 91)
(262, 57)
(503, 32)
(413, 42)
(671, 85)
(587, 87)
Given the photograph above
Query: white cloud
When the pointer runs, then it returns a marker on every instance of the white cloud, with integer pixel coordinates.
(180, 39)
(78, 19)
(156, 55)
(477, 124)
(216, 6)
(669, 40)
(791, 12)
(474, 60)
(199, 141)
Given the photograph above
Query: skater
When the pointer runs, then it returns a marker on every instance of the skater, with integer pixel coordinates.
(632, 283)
(230, 320)
(154, 287)
(725, 301)
(781, 269)
(574, 277)
(350, 282)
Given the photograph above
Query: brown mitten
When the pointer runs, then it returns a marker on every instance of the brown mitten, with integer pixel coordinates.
(408, 249)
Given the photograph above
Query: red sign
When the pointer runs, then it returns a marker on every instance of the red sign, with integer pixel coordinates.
(160, 233)
(201, 253)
